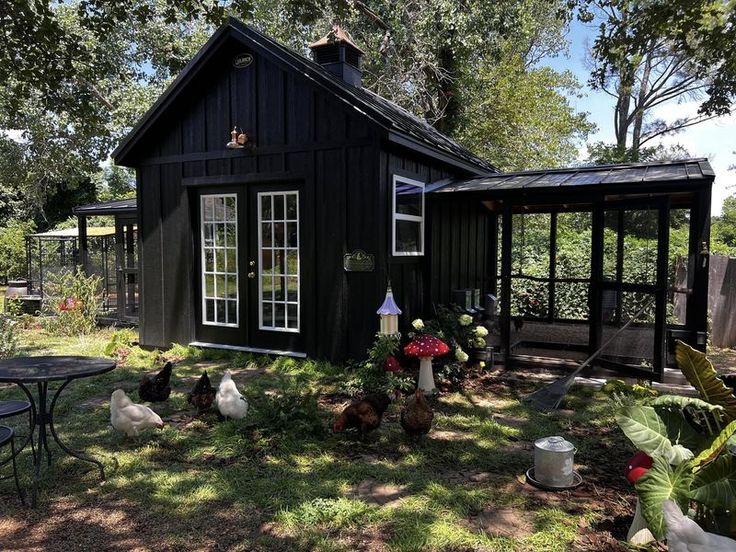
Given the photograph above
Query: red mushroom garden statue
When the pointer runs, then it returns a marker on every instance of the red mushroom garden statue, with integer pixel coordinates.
(425, 347)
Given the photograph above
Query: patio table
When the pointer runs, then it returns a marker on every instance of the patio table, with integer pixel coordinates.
(41, 370)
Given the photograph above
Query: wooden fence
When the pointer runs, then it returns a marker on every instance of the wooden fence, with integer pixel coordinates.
(722, 301)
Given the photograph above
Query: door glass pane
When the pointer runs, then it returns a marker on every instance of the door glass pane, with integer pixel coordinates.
(219, 254)
(279, 261)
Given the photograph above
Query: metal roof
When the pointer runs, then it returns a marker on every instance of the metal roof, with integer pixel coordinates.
(92, 231)
(671, 171)
(416, 132)
(115, 207)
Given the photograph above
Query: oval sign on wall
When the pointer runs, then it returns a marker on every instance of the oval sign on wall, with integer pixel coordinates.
(242, 60)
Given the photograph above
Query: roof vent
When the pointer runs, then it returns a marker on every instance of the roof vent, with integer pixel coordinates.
(337, 52)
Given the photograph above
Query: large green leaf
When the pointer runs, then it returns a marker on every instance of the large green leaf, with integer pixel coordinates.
(681, 402)
(712, 452)
(715, 484)
(663, 482)
(665, 433)
(700, 373)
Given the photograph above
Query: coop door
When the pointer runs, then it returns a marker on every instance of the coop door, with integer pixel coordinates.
(275, 271)
(632, 289)
(249, 264)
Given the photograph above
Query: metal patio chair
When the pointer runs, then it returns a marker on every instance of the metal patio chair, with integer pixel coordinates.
(7, 435)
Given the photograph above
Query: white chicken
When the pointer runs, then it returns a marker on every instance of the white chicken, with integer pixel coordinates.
(684, 535)
(229, 401)
(131, 418)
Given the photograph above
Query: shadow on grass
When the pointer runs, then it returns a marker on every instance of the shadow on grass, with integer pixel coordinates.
(204, 484)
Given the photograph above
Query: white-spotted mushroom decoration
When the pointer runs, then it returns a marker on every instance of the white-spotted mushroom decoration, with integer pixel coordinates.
(426, 347)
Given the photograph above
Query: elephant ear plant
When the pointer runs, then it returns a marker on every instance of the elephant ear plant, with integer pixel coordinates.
(688, 440)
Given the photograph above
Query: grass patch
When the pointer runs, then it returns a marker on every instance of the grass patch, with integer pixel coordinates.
(280, 480)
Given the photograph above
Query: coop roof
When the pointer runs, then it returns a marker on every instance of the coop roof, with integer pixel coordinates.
(403, 127)
(599, 175)
(115, 207)
(92, 231)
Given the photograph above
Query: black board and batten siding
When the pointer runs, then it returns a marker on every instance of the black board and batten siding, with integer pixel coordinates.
(339, 146)
(300, 133)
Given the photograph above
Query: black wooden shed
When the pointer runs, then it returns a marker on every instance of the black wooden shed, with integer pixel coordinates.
(244, 235)
(277, 196)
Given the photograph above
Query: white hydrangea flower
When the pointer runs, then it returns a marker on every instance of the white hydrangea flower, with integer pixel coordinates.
(418, 324)
(461, 355)
(465, 319)
(481, 331)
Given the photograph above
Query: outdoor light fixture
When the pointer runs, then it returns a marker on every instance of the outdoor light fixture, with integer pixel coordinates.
(389, 313)
(237, 139)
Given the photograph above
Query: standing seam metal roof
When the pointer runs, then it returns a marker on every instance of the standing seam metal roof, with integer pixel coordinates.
(685, 170)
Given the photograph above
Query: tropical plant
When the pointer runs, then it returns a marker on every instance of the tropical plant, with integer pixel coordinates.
(686, 438)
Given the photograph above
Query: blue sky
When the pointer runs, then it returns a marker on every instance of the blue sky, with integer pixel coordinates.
(712, 139)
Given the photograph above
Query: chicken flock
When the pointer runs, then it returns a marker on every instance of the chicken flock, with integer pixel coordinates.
(363, 415)
(131, 418)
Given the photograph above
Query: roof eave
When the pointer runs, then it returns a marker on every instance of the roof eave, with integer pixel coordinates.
(402, 139)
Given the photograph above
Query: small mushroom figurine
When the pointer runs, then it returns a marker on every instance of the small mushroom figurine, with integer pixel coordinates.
(426, 347)
(391, 364)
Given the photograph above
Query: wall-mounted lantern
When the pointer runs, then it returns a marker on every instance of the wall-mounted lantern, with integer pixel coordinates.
(389, 313)
(237, 139)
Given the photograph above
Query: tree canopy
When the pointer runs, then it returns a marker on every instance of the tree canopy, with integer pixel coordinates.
(78, 74)
(647, 54)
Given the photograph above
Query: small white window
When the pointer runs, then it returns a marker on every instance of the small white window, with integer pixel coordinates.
(219, 237)
(408, 217)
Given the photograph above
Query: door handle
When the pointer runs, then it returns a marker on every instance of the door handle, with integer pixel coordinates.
(251, 275)
(252, 263)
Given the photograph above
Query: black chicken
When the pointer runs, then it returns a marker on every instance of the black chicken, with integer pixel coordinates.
(518, 323)
(203, 394)
(156, 388)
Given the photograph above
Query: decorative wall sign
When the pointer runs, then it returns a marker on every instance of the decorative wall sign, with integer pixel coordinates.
(242, 60)
(359, 261)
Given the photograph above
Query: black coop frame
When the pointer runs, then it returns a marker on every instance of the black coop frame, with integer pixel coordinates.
(603, 191)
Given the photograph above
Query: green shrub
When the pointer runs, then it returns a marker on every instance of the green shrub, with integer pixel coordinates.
(8, 337)
(73, 299)
(292, 411)
(13, 248)
(121, 343)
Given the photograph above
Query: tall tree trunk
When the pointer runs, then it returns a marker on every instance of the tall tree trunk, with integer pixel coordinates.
(639, 111)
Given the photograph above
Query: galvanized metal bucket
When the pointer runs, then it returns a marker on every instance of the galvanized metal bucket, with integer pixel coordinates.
(554, 460)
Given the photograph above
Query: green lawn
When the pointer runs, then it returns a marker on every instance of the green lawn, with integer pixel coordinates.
(280, 480)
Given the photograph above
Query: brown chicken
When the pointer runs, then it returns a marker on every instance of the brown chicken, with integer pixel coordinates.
(364, 415)
(156, 388)
(417, 415)
(203, 394)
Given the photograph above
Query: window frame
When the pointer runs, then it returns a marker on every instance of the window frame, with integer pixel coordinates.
(395, 217)
(203, 272)
(259, 245)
